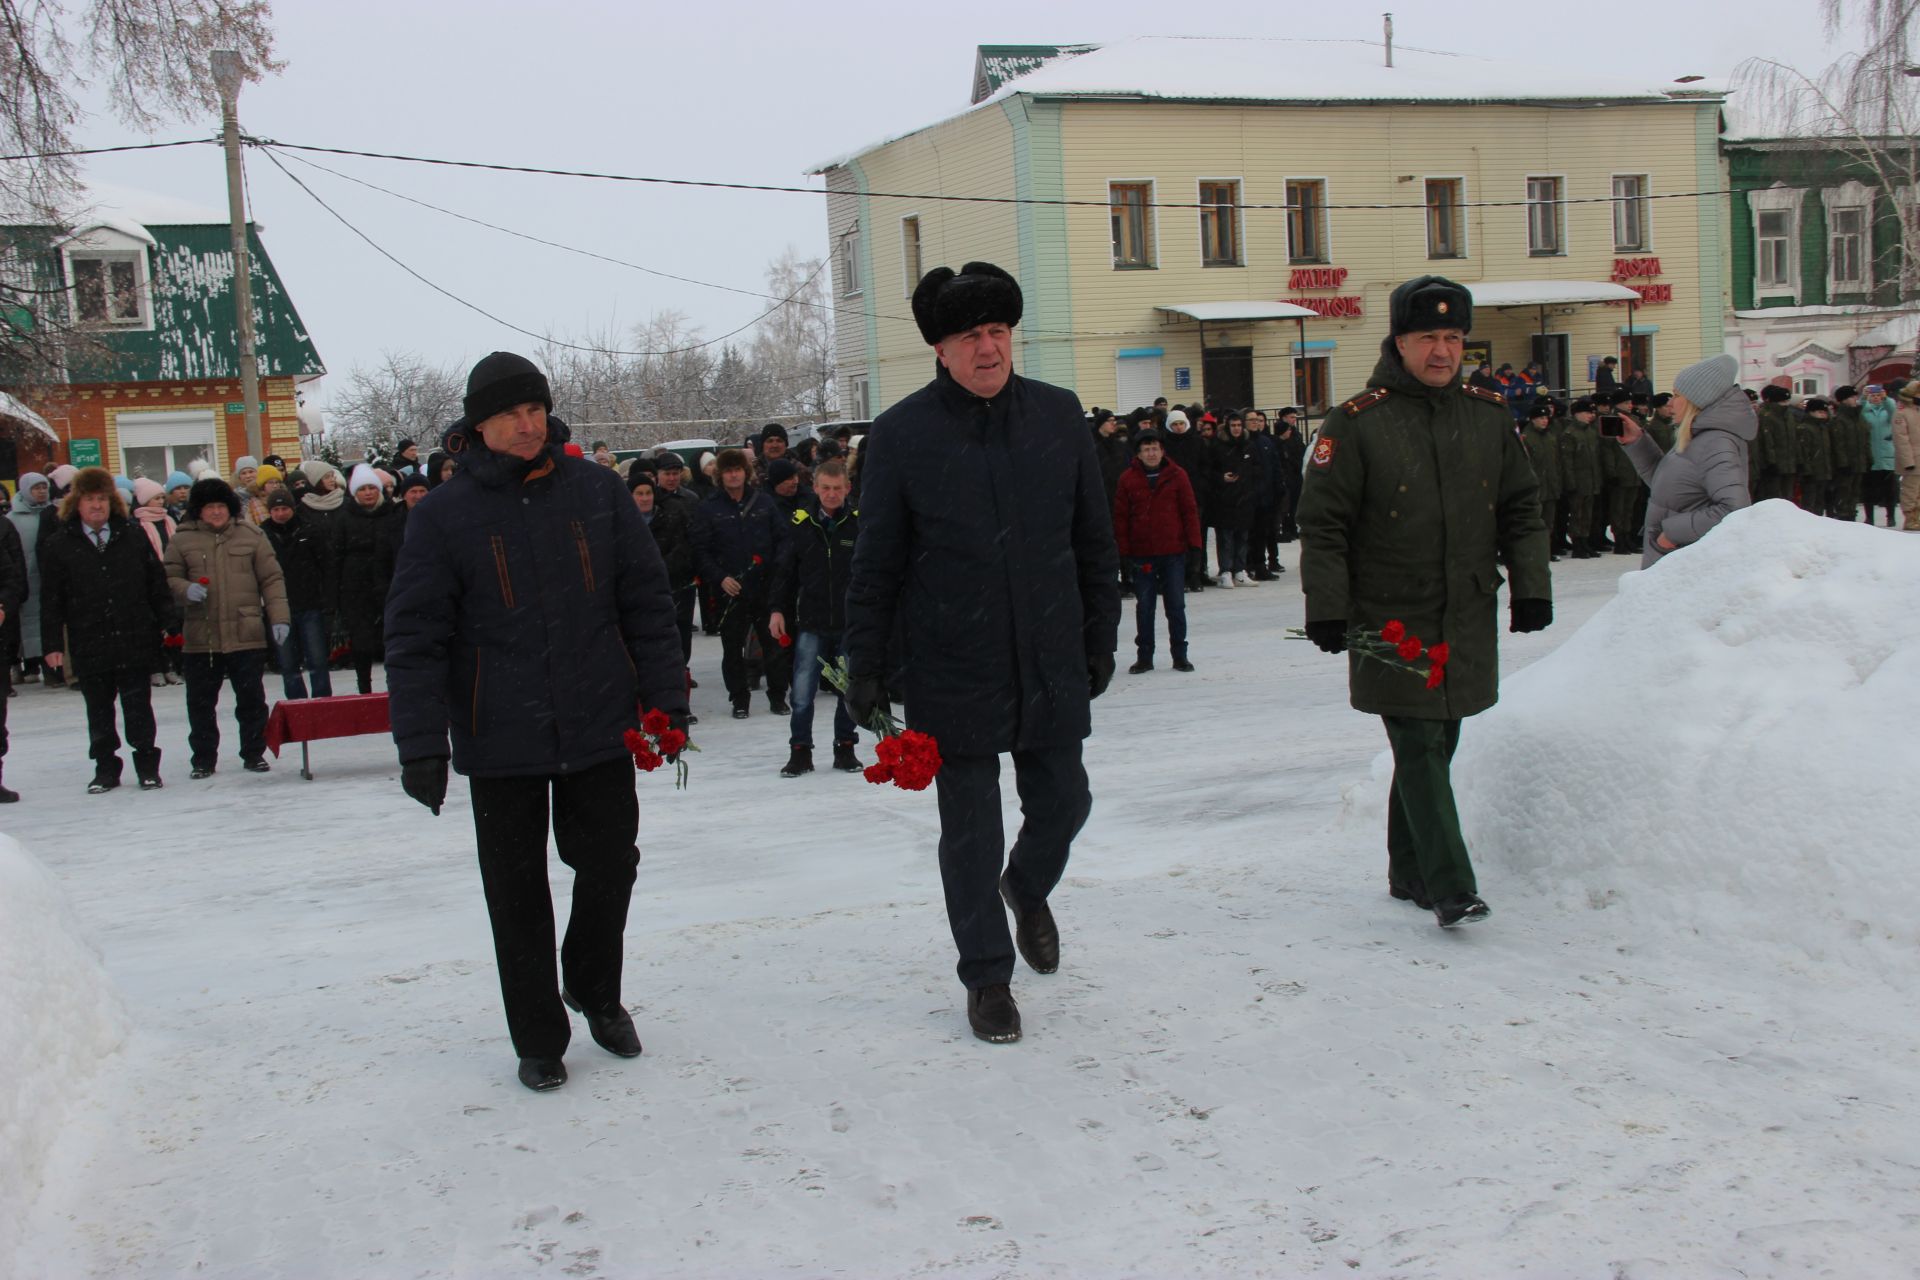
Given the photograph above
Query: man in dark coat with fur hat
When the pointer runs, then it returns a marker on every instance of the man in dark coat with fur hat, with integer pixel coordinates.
(984, 526)
(1417, 491)
(530, 618)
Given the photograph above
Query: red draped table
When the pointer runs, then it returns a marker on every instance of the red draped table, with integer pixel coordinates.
(310, 719)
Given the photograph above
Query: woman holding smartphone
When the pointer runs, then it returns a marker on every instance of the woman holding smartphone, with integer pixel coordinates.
(1705, 477)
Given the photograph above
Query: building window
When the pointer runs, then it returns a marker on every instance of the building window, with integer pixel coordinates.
(1546, 219)
(1132, 205)
(108, 288)
(1847, 249)
(156, 444)
(1445, 232)
(1307, 220)
(1773, 249)
(910, 251)
(1220, 224)
(857, 407)
(1776, 242)
(1313, 383)
(850, 261)
(1630, 213)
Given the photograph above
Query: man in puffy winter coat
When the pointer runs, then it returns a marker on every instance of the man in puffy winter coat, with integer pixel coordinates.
(809, 611)
(736, 535)
(224, 574)
(984, 525)
(1417, 492)
(530, 620)
(1155, 523)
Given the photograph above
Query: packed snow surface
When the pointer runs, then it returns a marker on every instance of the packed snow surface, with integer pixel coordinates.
(59, 1019)
(1689, 1053)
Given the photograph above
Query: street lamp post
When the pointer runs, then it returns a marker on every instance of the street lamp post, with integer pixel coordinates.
(228, 72)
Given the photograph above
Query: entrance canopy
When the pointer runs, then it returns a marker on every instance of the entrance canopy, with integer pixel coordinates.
(12, 408)
(1222, 312)
(1547, 293)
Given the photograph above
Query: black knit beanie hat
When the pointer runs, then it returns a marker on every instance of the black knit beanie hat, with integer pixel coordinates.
(502, 380)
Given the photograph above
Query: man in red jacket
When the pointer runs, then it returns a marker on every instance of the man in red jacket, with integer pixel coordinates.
(1156, 522)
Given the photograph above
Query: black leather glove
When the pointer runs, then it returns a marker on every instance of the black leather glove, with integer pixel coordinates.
(1099, 674)
(1329, 633)
(679, 720)
(1531, 615)
(866, 695)
(425, 780)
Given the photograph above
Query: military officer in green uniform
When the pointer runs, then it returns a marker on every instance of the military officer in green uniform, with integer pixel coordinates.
(1416, 491)
(1852, 454)
(1580, 476)
(1813, 449)
(1541, 439)
(1619, 486)
(1775, 445)
(1663, 424)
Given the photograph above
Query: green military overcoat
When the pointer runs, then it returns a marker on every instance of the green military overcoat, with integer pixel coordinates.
(1580, 461)
(1543, 451)
(1413, 498)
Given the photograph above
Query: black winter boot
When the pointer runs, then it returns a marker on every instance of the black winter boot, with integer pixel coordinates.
(8, 796)
(801, 761)
(1461, 908)
(844, 760)
(993, 1015)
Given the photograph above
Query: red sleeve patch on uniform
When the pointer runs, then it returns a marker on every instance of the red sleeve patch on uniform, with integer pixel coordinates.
(1323, 451)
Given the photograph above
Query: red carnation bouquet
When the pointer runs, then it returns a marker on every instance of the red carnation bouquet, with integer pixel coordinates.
(1392, 646)
(657, 742)
(906, 757)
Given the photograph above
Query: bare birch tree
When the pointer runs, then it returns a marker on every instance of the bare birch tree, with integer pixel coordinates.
(405, 395)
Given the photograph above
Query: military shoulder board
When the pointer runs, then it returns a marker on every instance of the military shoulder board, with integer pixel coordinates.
(1365, 401)
(1491, 397)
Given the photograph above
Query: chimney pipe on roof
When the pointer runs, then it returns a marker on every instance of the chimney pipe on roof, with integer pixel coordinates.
(1388, 18)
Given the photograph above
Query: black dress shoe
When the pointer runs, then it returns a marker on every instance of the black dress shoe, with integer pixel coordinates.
(1034, 932)
(259, 766)
(1414, 893)
(993, 1015)
(1181, 664)
(543, 1075)
(200, 771)
(101, 784)
(612, 1029)
(1461, 908)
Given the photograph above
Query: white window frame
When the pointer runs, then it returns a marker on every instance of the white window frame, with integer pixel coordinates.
(1152, 212)
(1326, 220)
(1644, 200)
(851, 286)
(1141, 367)
(1852, 194)
(108, 245)
(1777, 199)
(1460, 217)
(911, 271)
(859, 398)
(1239, 223)
(1559, 207)
(165, 428)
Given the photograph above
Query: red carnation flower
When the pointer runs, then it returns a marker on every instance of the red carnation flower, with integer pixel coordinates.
(1435, 676)
(1394, 632)
(1410, 648)
(634, 741)
(786, 639)
(672, 741)
(205, 582)
(1438, 654)
(878, 773)
(757, 560)
(655, 723)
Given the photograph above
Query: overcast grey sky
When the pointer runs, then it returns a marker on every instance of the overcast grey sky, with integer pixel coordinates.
(722, 91)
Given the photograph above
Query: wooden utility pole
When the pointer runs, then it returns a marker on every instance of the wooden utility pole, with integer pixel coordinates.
(228, 71)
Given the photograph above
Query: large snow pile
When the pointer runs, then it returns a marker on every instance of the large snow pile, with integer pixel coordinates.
(1727, 747)
(58, 1019)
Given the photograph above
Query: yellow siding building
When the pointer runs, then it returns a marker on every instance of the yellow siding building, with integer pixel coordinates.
(1123, 183)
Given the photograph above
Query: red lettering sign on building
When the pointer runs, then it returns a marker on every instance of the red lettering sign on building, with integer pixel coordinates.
(1333, 308)
(1625, 269)
(1317, 278)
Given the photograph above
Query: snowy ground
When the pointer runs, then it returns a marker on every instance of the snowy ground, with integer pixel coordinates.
(1251, 1062)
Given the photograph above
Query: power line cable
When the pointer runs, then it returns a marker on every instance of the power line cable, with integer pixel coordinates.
(930, 196)
(503, 322)
(103, 151)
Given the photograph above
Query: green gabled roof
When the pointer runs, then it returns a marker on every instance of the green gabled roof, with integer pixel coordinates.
(998, 63)
(194, 328)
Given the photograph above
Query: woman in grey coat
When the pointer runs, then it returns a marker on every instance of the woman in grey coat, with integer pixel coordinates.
(28, 503)
(1705, 477)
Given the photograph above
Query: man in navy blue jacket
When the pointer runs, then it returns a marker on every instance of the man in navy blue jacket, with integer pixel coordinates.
(530, 617)
(985, 528)
(736, 539)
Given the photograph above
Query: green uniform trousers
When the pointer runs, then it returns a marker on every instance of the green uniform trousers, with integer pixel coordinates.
(1579, 517)
(1843, 500)
(1620, 514)
(1424, 844)
(1813, 495)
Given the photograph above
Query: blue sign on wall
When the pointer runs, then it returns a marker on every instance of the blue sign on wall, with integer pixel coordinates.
(1182, 378)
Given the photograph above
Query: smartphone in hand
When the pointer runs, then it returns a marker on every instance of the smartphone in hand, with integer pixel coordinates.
(1612, 425)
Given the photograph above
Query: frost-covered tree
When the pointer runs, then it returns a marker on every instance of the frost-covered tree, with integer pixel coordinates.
(405, 395)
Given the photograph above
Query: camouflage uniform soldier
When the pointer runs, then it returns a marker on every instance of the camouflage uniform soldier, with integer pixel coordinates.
(1775, 446)
(1813, 449)
(1416, 491)
(1852, 454)
(1542, 442)
(1580, 476)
